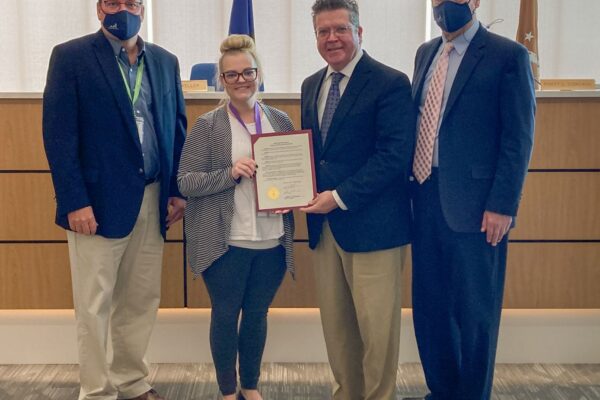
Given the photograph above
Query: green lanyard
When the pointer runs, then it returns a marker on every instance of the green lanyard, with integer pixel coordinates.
(138, 82)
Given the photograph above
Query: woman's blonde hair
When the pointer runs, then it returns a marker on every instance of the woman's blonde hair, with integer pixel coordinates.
(234, 44)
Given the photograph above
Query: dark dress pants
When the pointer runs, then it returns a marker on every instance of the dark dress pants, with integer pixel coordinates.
(242, 280)
(458, 284)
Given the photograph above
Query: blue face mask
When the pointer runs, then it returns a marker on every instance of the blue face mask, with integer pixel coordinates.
(451, 16)
(124, 25)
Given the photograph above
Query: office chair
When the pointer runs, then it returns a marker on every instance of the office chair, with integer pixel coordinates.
(205, 71)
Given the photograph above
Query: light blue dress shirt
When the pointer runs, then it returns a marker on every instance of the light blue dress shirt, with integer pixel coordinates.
(143, 107)
(461, 44)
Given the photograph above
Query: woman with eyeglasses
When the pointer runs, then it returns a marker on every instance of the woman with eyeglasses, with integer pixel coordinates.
(241, 254)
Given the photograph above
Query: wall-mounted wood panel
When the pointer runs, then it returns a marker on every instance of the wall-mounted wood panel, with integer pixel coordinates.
(566, 134)
(35, 275)
(21, 133)
(196, 108)
(556, 206)
(560, 206)
(38, 276)
(28, 209)
(553, 275)
(172, 285)
(300, 229)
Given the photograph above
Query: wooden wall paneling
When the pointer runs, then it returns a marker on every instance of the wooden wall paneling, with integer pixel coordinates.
(553, 275)
(35, 276)
(566, 134)
(175, 232)
(195, 108)
(300, 229)
(28, 208)
(291, 107)
(21, 133)
(172, 285)
(38, 276)
(544, 275)
(559, 206)
(301, 291)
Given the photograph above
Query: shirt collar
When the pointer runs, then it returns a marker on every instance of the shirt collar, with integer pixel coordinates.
(349, 68)
(461, 43)
(118, 49)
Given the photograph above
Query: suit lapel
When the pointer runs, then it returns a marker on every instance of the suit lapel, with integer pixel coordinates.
(358, 81)
(421, 73)
(474, 53)
(154, 70)
(108, 63)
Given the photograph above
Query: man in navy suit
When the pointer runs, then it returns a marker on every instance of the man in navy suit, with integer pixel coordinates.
(362, 118)
(474, 91)
(114, 125)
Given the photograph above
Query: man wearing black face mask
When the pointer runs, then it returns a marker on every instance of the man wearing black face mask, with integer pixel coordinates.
(114, 125)
(474, 91)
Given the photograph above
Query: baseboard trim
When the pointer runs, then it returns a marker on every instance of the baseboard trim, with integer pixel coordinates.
(181, 335)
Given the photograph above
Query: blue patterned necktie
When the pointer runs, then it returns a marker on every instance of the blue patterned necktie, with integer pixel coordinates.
(333, 99)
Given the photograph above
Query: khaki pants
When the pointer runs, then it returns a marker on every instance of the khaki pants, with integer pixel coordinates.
(360, 302)
(116, 283)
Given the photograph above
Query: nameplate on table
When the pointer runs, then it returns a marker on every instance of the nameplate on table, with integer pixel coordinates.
(195, 86)
(568, 84)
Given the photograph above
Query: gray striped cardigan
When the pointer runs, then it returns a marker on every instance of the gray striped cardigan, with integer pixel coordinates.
(205, 179)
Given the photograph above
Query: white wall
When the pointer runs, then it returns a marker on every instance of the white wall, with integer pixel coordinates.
(569, 36)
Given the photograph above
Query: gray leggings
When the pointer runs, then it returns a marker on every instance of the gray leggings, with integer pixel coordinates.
(241, 280)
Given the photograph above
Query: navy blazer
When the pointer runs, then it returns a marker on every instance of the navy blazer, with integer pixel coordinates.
(486, 135)
(366, 157)
(91, 138)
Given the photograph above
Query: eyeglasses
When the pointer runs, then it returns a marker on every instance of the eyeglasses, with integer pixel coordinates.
(249, 75)
(114, 6)
(342, 30)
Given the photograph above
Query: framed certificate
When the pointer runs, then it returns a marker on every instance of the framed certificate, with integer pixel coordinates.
(285, 177)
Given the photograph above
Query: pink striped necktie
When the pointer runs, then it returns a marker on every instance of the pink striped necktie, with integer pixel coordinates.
(430, 117)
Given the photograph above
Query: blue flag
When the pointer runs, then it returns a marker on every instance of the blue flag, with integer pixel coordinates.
(242, 18)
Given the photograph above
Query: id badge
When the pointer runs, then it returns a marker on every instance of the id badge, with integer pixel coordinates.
(139, 122)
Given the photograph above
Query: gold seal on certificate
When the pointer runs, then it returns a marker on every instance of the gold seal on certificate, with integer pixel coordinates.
(285, 177)
(273, 193)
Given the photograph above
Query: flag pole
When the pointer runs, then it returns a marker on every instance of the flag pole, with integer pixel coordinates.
(527, 35)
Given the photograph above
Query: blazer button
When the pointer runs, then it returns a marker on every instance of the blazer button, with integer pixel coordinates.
(323, 162)
(141, 170)
(411, 178)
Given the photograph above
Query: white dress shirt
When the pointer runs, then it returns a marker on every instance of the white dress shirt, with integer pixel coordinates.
(249, 228)
(347, 72)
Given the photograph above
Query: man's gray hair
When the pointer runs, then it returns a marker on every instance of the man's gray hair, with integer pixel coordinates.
(331, 5)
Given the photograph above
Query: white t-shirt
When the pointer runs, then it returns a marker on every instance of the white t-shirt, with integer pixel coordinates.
(250, 228)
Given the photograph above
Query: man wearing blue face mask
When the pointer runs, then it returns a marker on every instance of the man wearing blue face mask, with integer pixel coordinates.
(476, 101)
(114, 125)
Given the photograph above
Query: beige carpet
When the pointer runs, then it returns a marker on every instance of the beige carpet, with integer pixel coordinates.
(303, 382)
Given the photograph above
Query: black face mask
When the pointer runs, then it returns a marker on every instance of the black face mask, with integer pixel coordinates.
(451, 16)
(124, 25)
